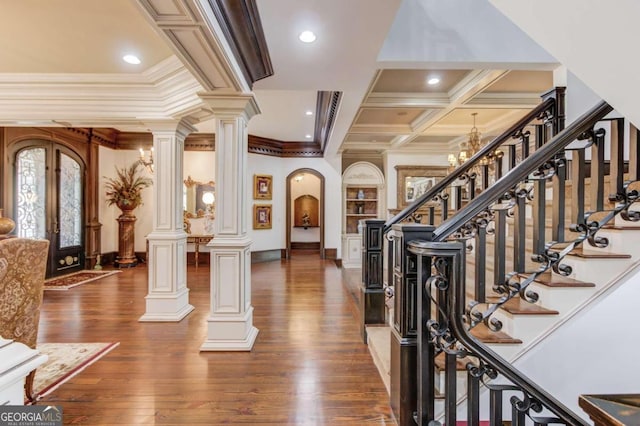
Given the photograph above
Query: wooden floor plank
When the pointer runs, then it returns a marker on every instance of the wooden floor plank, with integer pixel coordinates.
(308, 365)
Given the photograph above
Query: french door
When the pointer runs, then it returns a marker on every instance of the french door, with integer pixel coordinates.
(48, 202)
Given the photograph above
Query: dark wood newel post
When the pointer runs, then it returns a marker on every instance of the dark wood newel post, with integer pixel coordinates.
(404, 331)
(371, 290)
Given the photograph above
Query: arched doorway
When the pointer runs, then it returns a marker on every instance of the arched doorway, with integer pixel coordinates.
(47, 197)
(305, 206)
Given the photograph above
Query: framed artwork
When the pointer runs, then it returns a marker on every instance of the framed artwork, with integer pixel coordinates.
(262, 216)
(413, 181)
(262, 187)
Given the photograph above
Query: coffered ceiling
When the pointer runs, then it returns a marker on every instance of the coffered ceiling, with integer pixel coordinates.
(61, 65)
(401, 111)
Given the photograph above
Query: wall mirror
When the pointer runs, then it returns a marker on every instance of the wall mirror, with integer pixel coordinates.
(198, 198)
(413, 181)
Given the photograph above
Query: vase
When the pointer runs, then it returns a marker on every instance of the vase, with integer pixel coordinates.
(126, 257)
(6, 224)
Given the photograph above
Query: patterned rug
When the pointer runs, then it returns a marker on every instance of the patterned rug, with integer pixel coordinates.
(65, 361)
(66, 282)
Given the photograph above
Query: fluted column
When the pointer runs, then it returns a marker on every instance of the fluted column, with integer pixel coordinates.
(168, 296)
(230, 323)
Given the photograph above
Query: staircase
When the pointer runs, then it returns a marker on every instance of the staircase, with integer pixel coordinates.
(504, 272)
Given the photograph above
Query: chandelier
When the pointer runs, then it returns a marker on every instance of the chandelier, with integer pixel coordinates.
(147, 163)
(467, 149)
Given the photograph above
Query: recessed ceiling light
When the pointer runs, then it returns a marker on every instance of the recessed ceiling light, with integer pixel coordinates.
(307, 37)
(433, 80)
(131, 59)
(308, 113)
(307, 136)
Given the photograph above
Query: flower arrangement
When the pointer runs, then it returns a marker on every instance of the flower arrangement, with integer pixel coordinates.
(125, 190)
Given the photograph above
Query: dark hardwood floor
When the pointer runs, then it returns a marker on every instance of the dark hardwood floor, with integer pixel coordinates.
(308, 365)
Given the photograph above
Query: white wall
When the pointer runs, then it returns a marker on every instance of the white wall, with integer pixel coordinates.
(199, 165)
(280, 168)
(393, 159)
(597, 346)
(309, 185)
(109, 160)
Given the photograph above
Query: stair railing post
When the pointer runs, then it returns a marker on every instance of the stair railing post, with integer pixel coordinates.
(404, 330)
(372, 295)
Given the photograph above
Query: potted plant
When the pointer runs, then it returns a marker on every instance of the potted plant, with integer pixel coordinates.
(125, 190)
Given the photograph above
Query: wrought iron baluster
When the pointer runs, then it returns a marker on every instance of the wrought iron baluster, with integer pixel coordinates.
(517, 416)
(498, 157)
(495, 407)
(472, 186)
(432, 215)
(597, 171)
(578, 166)
(520, 229)
(539, 202)
(481, 264)
(444, 203)
(457, 196)
(450, 399)
(616, 171)
(473, 395)
(484, 170)
(512, 156)
(499, 247)
(634, 153)
(557, 211)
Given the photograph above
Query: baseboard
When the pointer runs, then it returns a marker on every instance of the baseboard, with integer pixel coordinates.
(108, 258)
(305, 245)
(331, 254)
(266, 255)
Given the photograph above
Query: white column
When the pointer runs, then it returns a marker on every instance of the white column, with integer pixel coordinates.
(168, 297)
(230, 323)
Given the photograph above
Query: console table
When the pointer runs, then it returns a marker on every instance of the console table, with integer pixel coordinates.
(196, 240)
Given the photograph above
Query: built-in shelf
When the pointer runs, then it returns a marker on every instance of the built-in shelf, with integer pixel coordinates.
(362, 195)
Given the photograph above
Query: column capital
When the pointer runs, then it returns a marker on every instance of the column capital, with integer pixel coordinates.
(234, 105)
(181, 127)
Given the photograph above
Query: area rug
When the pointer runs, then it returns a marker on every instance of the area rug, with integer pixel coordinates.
(65, 361)
(66, 282)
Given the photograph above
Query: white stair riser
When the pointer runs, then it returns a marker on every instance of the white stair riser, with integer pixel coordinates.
(596, 271)
(525, 327)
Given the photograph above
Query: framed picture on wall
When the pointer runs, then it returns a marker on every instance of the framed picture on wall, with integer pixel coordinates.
(262, 216)
(262, 187)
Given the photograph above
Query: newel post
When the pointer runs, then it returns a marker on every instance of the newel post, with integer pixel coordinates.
(404, 330)
(371, 290)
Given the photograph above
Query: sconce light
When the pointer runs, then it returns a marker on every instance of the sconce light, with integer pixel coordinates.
(208, 198)
(147, 163)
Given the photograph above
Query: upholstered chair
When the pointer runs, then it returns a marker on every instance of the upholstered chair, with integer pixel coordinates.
(23, 265)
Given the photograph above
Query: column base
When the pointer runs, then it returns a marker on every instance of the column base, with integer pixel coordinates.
(167, 308)
(230, 332)
(404, 385)
(220, 345)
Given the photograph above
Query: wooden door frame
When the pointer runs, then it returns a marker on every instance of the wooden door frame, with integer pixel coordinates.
(321, 213)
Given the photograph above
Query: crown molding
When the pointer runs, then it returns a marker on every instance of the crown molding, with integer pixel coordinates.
(327, 105)
(240, 22)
